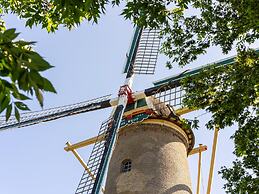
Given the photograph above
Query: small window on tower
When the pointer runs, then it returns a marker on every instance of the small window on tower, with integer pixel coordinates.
(126, 165)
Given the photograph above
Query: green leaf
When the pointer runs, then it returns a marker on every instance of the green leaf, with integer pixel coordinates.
(8, 112)
(25, 43)
(17, 114)
(36, 78)
(4, 103)
(20, 96)
(48, 86)
(21, 106)
(10, 34)
(39, 95)
(6, 65)
(29, 22)
(7, 84)
(37, 62)
(23, 80)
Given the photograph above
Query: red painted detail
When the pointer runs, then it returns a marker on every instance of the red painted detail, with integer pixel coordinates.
(129, 117)
(125, 90)
(147, 111)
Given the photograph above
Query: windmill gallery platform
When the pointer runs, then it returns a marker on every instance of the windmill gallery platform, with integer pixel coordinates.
(150, 157)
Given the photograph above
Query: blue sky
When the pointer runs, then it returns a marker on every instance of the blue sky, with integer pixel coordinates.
(88, 63)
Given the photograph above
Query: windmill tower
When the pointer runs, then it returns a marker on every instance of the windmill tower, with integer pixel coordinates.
(144, 143)
(151, 156)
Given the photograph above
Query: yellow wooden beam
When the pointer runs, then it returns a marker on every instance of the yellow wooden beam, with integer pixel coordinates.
(84, 143)
(212, 161)
(92, 140)
(199, 170)
(80, 159)
(199, 149)
(182, 111)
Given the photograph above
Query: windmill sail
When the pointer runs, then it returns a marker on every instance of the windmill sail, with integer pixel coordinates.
(32, 118)
(147, 52)
(173, 96)
(170, 91)
(142, 57)
(87, 180)
(141, 60)
(100, 155)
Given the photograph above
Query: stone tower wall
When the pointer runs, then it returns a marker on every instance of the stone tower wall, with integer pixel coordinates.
(159, 161)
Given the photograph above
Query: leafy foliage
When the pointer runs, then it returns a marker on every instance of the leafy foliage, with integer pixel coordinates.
(239, 179)
(228, 91)
(231, 94)
(51, 14)
(243, 176)
(20, 69)
(219, 23)
(189, 28)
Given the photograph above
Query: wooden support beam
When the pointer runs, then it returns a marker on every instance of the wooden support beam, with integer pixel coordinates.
(92, 140)
(184, 110)
(80, 159)
(199, 149)
(212, 161)
(199, 170)
(84, 143)
(82, 162)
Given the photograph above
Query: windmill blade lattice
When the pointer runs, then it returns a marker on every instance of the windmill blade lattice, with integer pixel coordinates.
(147, 52)
(170, 92)
(141, 60)
(32, 118)
(142, 57)
(87, 181)
(173, 96)
(101, 153)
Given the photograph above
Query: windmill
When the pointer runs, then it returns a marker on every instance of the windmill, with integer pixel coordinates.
(140, 60)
